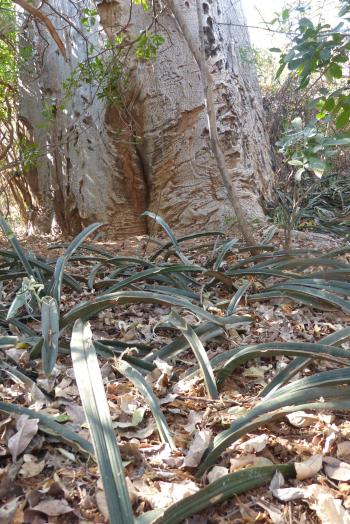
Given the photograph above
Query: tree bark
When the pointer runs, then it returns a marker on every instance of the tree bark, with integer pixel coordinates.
(111, 163)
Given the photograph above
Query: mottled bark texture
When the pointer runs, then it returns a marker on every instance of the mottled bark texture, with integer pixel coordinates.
(110, 164)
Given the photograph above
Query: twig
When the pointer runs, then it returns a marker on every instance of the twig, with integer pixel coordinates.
(46, 21)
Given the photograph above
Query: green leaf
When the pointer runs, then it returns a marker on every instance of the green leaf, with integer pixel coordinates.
(61, 261)
(16, 246)
(199, 352)
(19, 301)
(329, 104)
(184, 238)
(343, 118)
(335, 70)
(8, 341)
(146, 391)
(170, 234)
(50, 332)
(50, 426)
(223, 251)
(296, 365)
(207, 331)
(237, 297)
(222, 489)
(87, 310)
(296, 63)
(154, 271)
(89, 381)
(295, 162)
(290, 397)
(271, 349)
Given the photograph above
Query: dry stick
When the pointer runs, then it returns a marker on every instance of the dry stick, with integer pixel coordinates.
(39, 15)
(207, 84)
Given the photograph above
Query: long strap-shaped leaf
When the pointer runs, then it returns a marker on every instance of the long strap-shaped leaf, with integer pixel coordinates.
(148, 273)
(146, 391)
(313, 297)
(221, 490)
(289, 399)
(16, 246)
(170, 234)
(222, 252)
(91, 389)
(8, 341)
(207, 330)
(334, 377)
(335, 286)
(46, 268)
(61, 262)
(254, 423)
(87, 310)
(183, 239)
(50, 426)
(50, 320)
(303, 349)
(231, 308)
(299, 363)
(199, 352)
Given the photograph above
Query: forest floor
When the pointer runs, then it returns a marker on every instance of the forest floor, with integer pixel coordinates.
(47, 481)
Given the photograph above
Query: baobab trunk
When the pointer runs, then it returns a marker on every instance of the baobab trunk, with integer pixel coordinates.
(152, 151)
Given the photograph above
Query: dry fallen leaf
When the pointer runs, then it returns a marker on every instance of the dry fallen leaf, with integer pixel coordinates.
(248, 460)
(163, 380)
(275, 513)
(172, 492)
(8, 510)
(194, 418)
(332, 437)
(336, 469)
(216, 473)
(301, 419)
(255, 444)
(343, 449)
(284, 494)
(197, 448)
(288, 494)
(31, 466)
(101, 501)
(328, 509)
(27, 428)
(53, 507)
(309, 468)
(128, 404)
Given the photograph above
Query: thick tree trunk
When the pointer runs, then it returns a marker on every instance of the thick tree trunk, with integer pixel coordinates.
(110, 164)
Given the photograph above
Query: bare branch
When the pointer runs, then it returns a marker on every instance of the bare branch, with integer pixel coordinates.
(46, 21)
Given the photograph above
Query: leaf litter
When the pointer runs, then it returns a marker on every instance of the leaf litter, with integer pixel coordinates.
(51, 483)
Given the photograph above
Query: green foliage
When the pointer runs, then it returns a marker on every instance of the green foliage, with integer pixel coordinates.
(309, 116)
(147, 46)
(309, 149)
(143, 3)
(320, 51)
(29, 153)
(92, 393)
(106, 70)
(89, 18)
(309, 277)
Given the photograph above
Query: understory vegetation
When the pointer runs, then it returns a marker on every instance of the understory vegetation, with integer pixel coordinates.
(203, 300)
(181, 379)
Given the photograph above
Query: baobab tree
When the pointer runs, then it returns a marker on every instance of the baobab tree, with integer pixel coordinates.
(125, 92)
